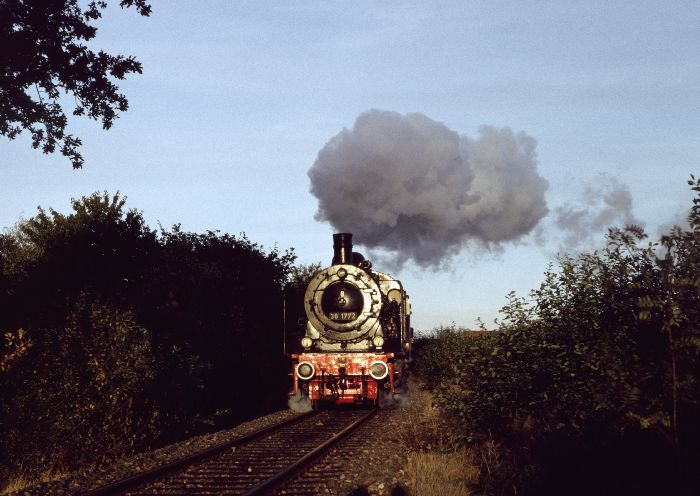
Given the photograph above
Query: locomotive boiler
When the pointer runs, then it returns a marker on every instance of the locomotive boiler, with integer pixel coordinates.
(355, 335)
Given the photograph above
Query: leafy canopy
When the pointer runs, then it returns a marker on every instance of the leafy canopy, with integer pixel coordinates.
(44, 58)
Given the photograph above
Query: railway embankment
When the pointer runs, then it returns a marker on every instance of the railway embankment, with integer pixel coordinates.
(90, 477)
(403, 449)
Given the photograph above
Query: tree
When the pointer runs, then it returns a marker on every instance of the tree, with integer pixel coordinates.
(591, 381)
(216, 319)
(44, 58)
(114, 336)
(100, 247)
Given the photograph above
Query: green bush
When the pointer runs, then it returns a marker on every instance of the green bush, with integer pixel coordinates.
(601, 360)
(78, 391)
(118, 337)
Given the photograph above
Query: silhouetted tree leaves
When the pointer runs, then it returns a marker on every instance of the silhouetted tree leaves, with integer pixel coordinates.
(222, 309)
(45, 57)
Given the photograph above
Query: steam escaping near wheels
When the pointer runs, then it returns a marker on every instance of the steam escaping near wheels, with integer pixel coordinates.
(299, 403)
(411, 186)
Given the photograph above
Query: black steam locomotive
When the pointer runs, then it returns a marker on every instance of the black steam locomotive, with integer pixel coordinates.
(356, 334)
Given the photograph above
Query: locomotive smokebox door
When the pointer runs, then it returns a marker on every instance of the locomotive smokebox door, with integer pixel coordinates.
(342, 302)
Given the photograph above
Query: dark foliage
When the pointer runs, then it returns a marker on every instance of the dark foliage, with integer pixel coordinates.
(590, 385)
(294, 313)
(117, 337)
(77, 393)
(222, 309)
(44, 57)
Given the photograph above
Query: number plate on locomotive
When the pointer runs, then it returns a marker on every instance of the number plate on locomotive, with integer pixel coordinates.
(342, 315)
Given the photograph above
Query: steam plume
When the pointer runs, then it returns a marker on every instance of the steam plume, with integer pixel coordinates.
(299, 403)
(606, 204)
(410, 185)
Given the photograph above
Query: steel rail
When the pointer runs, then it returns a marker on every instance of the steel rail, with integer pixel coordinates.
(122, 485)
(295, 468)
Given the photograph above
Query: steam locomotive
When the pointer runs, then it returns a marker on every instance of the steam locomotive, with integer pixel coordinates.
(356, 336)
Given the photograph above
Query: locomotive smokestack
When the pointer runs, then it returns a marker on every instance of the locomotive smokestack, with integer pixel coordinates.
(342, 248)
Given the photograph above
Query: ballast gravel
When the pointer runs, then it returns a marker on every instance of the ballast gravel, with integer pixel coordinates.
(92, 478)
(368, 463)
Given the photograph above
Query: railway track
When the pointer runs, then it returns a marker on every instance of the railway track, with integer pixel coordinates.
(255, 464)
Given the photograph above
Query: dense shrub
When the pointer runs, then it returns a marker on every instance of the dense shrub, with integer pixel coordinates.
(295, 316)
(590, 384)
(118, 337)
(77, 393)
(217, 329)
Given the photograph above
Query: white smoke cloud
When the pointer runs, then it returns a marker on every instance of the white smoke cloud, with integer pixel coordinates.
(678, 219)
(413, 187)
(607, 203)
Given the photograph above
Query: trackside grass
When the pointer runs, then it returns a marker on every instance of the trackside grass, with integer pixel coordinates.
(434, 466)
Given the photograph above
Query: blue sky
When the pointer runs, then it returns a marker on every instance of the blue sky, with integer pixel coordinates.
(237, 99)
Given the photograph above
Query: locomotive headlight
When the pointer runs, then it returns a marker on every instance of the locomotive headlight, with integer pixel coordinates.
(378, 341)
(305, 371)
(378, 370)
(306, 342)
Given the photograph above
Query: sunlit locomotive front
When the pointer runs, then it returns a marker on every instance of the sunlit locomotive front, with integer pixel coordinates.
(357, 334)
